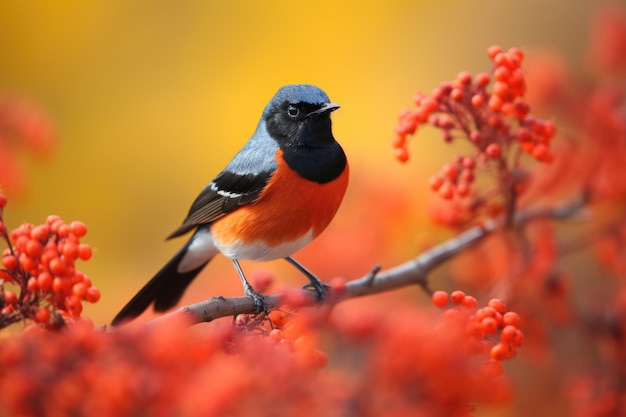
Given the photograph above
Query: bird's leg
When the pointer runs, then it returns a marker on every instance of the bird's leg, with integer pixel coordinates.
(259, 300)
(318, 286)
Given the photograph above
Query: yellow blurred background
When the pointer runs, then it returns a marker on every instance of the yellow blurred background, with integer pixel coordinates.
(150, 99)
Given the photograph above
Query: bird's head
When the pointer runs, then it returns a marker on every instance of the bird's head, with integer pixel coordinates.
(299, 115)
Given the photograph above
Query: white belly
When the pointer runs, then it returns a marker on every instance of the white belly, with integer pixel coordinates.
(203, 247)
(259, 251)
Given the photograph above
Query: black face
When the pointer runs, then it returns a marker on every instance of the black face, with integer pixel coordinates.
(291, 125)
(307, 140)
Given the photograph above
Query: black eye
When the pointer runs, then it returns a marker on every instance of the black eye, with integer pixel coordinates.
(293, 111)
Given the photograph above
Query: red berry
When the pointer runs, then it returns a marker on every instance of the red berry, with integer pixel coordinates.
(508, 334)
(502, 90)
(56, 225)
(52, 218)
(79, 290)
(84, 251)
(86, 279)
(548, 129)
(469, 162)
(42, 315)
(457, 296)
(469, 301)
(464, 78)
(493, 150)
(497, 305)
(523, 134)
(47, 256)
(9, 296)
(428, 105)
(475, 136)
(489, 325)
(40, 233)
(483, 79)
(495, 103)
(6, 276)
(10, 262)
(440, 298)
(450, 171)
(21, 241)
(493, 50)
(70, 250)
(477, 100)
(501, 74)
(501, 351)
(73, 305)
(501, 59)
(44, 281)
(78, 228)
(64, 230)
(277, 335)
(485, 312)
(462, 189)
(435, 182)
(542, 153)
(58, 267)
(402, 154)
(32, 284)
(278, 318)
(3, 201)
(33, 248)
(61, 286)
(93, 295)
(510, 318)
(446, 191)
(521, 109)
(27, 263)
(398, 141)
(457, 94)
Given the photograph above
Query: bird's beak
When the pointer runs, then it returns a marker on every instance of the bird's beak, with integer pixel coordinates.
(326, 108)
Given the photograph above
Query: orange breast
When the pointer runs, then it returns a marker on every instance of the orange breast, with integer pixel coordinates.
(290, 207)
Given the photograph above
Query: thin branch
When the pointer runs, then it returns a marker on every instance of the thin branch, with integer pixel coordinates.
(413, 272)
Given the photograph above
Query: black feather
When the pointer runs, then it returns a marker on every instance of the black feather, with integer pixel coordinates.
(225, 193)
(165, 289)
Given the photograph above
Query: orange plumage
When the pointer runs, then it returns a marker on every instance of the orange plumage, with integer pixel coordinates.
(287, 209)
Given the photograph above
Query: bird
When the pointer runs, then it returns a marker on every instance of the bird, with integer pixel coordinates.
(277, 194)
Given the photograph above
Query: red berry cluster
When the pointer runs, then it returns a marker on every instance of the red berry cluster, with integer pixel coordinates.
(487, 322)
(489, 111)
(288, 331)
(40, 261)
(455, 178)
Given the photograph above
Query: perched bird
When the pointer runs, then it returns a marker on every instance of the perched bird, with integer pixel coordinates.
(276, 195)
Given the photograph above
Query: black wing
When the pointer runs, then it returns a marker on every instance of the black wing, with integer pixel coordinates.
(224, 194)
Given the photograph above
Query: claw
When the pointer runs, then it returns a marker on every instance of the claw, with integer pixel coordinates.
(259, 300)
(314, 282)
(319, 287)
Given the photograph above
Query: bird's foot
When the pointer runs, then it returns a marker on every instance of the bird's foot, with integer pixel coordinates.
(259, 300)
(320, 288)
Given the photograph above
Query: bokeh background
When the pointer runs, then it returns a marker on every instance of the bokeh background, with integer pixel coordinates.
(150, 99)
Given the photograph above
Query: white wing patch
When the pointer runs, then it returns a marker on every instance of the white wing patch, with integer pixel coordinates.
(224, 193)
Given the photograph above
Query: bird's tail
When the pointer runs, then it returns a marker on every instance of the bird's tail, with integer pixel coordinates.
(165, 289)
